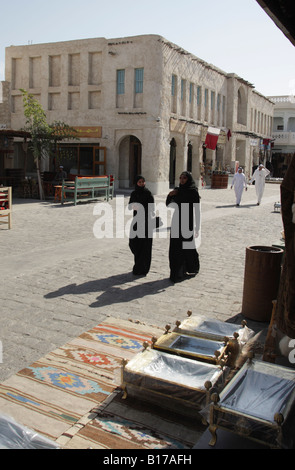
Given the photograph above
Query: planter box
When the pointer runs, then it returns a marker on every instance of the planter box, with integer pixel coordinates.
(219, 181)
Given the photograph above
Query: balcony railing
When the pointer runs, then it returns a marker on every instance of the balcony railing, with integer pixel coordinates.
(284, 138)
(283, 99)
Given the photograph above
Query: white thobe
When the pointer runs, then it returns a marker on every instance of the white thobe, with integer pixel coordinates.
(239, 183)
(259, 178)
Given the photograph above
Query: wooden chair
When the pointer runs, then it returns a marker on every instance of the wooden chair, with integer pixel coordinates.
(57, 193)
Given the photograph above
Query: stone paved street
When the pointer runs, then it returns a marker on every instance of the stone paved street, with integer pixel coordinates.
(58, 280)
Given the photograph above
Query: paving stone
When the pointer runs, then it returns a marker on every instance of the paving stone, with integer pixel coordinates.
(59, 280)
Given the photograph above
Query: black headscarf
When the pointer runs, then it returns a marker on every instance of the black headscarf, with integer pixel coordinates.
(190, 184)
(141, 194)
(137, 178)
(187, 192)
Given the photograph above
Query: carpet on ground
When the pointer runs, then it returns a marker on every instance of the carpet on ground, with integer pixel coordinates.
(72, 395)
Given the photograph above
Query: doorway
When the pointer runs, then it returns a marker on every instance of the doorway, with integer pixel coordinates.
(172, 166)
(134, 159)
(189, 166)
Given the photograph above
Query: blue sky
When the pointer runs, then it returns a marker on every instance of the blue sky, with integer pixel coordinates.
(234, 35)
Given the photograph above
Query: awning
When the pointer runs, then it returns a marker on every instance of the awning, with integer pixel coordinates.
(13, 133)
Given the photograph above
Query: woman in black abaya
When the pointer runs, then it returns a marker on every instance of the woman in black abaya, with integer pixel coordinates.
(185, 226)
(141, 234)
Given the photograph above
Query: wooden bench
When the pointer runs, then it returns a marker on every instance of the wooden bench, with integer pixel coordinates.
(6, 205)
(112, 186)
(86, 188)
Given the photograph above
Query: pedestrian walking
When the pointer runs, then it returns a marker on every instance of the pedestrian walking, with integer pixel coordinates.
(259, 176)
(60, 176)
(239, 183)
(185, 226)
(141, 233)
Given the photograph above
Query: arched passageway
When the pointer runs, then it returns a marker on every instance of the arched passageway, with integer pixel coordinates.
(130, 154)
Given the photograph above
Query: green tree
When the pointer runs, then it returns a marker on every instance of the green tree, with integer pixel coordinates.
(44, 136)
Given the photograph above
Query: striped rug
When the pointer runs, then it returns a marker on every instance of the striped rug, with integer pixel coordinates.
(72, 394)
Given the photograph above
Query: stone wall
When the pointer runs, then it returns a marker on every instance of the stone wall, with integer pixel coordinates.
(5, 120)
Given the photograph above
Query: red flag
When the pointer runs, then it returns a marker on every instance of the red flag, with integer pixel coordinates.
(212, 138)
(228, 134)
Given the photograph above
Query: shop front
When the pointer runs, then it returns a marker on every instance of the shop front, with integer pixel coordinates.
(84, 157)
(12, 171)
(81, 159)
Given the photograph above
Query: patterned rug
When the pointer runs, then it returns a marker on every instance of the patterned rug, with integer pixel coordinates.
(72, 394)
(131, 424)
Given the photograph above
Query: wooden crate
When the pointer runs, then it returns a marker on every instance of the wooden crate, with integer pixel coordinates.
(6, 205)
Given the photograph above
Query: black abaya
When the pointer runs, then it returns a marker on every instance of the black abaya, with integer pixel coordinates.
(183, 256)
(141, 246)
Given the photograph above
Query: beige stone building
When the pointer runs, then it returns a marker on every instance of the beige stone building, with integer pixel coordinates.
(140, 105)
(283, 134)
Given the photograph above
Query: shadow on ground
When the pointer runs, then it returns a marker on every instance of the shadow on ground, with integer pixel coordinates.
(114, 289)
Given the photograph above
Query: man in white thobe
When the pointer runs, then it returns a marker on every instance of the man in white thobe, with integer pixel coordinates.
(239, 183)
(259, 176)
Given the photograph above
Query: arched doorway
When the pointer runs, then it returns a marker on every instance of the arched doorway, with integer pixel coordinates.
(134, 159)
(189, 166)
(130, 153)
(172, 163)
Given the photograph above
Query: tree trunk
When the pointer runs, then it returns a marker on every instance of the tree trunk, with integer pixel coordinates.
(41, 191)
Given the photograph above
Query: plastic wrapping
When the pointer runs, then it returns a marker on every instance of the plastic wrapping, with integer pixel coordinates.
(202, 349)
(259, 403)
(245, 334)
(171, 380)
(17, 436)
(213, 329)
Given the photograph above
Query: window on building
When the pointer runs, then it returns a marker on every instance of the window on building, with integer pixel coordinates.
(174, 94)
(173, 85)
(212, 106)
(199, 98)
(183, 97)
(212, 100)
(206, 103)
(223, 110)
(139, 80)
(198, 95)
(242, 107)
(191, 100)
(54, 71)
(74, 69)
(191, 92)
(34, 72)
(120, 82)
(218, 107)
(182, 89)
